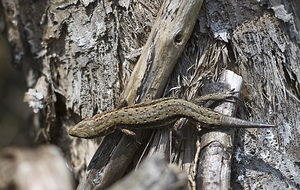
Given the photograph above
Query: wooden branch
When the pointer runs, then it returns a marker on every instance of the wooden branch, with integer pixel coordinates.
(154, 173)
(167, 39)
(216, 146)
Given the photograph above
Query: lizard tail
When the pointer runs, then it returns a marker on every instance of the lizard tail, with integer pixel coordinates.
(239, 123)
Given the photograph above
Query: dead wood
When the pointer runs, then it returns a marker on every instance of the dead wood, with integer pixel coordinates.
(214, 165)
(77, 56)
(153, 173)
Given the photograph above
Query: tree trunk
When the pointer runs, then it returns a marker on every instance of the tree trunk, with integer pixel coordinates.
(77, 57)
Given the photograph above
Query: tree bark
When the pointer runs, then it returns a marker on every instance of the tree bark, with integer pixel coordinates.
(77, 56)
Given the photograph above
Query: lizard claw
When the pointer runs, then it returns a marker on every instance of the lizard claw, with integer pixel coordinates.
(228, 94)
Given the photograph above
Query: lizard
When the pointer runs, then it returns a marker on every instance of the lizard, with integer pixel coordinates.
(154, 114)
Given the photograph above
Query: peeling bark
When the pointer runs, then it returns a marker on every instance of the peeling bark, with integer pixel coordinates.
(78, 55)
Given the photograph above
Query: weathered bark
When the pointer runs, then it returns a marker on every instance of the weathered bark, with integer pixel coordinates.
(77, 55)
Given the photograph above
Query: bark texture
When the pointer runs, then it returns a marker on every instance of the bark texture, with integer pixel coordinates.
(77, 56)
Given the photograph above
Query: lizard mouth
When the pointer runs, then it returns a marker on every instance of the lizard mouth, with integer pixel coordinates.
(72, 132)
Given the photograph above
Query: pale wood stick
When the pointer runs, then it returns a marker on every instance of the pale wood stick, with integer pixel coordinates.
(216, 146)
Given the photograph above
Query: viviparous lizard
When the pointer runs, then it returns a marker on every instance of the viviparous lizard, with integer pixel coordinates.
(154, 114)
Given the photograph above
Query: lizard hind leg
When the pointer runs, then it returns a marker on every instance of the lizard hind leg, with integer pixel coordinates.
(228, 95)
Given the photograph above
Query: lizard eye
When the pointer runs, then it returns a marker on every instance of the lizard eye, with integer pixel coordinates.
(79, 125)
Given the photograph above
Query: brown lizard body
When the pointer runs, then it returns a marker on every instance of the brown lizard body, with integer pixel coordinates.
(155, 114)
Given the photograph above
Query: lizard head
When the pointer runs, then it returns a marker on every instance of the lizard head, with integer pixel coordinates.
(90, 128)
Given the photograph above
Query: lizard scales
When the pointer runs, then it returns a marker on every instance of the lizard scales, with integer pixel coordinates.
(155, 114)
